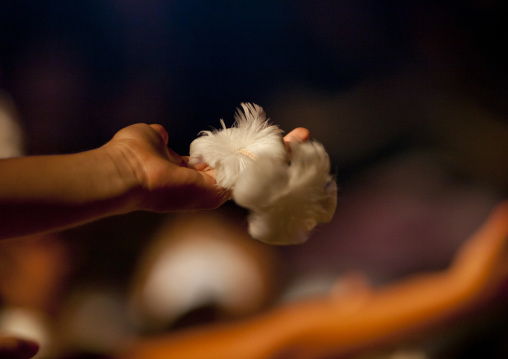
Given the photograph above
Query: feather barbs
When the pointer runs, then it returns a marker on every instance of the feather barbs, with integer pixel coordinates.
(287, 192)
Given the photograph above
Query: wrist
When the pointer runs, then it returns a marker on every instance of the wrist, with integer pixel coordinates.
(123, 182)
(42, 193)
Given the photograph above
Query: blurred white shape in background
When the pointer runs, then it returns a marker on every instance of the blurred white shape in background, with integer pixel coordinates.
(26, 324)
(199, 271)
(200, 261)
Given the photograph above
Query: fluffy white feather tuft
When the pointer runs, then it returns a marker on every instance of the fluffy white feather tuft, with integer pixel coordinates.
(287, 200)
(287, 195)
(230, 150)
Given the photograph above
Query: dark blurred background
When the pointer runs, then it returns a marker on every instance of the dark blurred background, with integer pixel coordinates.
(407, 97)
(79, 71)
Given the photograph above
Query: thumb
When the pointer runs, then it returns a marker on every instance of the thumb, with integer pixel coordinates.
(299, 134)
(207, 193)
(161, 131)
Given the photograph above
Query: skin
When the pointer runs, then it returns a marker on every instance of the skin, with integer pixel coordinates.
(364, 317)
(134, 171)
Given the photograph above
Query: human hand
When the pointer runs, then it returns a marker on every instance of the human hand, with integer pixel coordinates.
(158, 178)
(161, 179)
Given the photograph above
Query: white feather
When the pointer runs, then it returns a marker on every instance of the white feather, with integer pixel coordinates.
(251, 132)
(286, 201)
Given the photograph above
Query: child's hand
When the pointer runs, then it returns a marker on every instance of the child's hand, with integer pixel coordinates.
(163, 180)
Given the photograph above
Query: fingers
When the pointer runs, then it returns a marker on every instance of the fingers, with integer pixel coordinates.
(208, 194)
(176, 158)
(161, 131)
(299, 134)
(173, 156)
(198, 166)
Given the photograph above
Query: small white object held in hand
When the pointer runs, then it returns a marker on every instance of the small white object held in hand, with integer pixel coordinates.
(287, 192)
